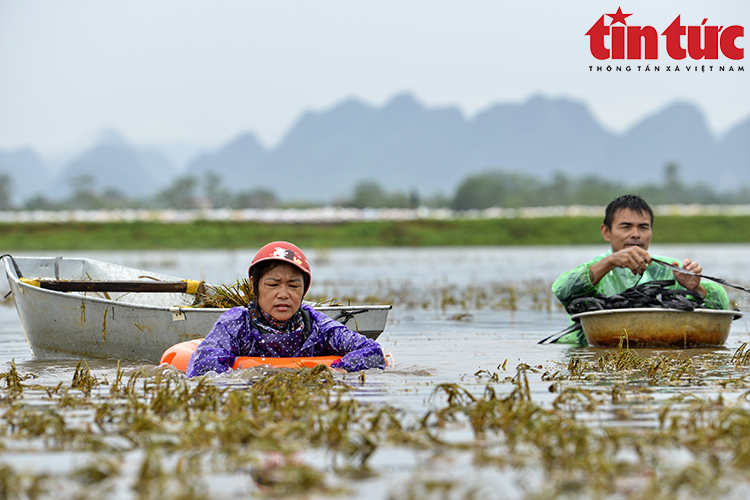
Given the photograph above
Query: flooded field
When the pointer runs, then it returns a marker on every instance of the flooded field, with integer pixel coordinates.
(474, 407)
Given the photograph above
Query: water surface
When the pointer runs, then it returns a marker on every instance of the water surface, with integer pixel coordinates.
(437, 342)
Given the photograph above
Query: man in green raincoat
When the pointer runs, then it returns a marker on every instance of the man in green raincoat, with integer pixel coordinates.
(627, 226)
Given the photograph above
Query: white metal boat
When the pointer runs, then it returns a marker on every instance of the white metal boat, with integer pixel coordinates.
(112, 323)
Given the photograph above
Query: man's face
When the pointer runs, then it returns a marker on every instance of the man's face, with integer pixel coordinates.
(629, 228)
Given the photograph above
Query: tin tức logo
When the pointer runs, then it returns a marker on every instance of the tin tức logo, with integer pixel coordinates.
(612, 38)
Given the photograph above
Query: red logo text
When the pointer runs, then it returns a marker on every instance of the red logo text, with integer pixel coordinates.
(642, 42)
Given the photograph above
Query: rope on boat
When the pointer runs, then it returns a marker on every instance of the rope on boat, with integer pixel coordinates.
(17, 269)
(345, 316)
(15, 265)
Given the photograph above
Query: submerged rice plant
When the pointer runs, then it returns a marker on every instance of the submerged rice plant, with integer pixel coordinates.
(611, 427)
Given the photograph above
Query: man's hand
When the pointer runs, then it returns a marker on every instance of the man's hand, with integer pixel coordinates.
(688, 281)
(633, 257)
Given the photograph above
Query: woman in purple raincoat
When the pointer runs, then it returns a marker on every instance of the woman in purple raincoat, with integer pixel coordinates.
(277, 324)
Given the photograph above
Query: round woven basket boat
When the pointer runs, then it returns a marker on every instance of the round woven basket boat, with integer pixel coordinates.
(655, 327)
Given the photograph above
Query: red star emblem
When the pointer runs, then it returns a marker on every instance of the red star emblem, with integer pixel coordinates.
(619, 17)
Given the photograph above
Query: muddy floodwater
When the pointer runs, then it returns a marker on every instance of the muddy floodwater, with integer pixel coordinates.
(473, 408)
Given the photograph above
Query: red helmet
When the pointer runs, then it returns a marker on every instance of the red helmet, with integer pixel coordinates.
(285, 252)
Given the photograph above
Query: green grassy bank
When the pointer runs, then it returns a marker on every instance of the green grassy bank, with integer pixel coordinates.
(209, 234)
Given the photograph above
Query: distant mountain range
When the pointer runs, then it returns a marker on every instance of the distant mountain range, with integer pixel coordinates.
(407, 146)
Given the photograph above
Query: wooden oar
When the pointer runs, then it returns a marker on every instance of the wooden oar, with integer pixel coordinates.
(684, 271)
(185, 286)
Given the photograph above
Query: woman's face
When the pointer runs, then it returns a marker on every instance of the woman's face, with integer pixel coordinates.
(280, 291)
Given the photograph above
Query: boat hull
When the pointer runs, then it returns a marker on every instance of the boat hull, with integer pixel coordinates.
(126, 326)
(654, 327)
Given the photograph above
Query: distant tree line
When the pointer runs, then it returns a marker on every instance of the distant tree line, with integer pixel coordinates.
(498, 188)
(492, 188)
(186, 192)
(511, 189)
(4, 191)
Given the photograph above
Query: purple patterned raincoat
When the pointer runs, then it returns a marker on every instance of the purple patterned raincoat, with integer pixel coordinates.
(235, 335)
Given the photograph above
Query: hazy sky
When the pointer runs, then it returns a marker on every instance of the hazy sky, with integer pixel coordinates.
(202, 71)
